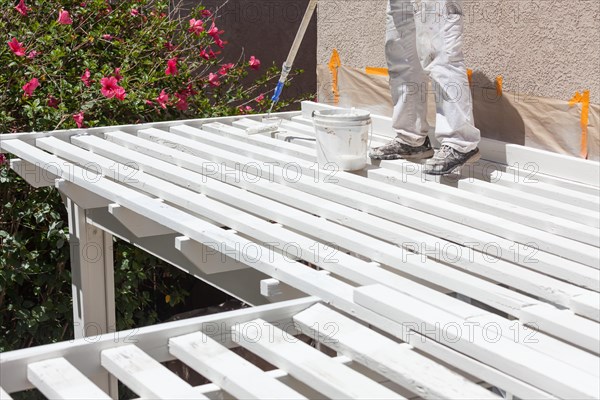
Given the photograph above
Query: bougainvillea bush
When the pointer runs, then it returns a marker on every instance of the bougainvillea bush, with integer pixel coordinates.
(67, 64)
(92, 62)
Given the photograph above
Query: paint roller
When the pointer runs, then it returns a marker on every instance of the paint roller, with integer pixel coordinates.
(285, 70)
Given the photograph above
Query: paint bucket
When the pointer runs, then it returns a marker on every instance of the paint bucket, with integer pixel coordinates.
(342, 138)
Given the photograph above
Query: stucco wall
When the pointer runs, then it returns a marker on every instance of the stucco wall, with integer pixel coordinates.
(547, 48)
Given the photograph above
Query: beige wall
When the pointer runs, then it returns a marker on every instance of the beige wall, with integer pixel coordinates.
(547, 48)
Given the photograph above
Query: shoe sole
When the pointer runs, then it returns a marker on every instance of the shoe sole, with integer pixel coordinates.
(416, 156)
(471, 160)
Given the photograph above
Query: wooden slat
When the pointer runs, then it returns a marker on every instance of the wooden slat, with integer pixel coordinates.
(369, 195)
(57, 379)
(4, 395)
(228, 370)
(397, 362)
(85, 354)
(307, 364)
(587, 305)
(217, 190)
(296, 275)
(583, 332)
(566, 248)
(453, 196)
(549, 374)
(144, 375)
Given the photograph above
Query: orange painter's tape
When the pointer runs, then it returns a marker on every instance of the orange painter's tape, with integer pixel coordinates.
(470, 76)
(499, 85)
(584, 99)
(377, 71)
(334, 64)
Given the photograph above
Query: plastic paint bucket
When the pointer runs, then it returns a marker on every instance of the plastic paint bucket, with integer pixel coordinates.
(342, 138)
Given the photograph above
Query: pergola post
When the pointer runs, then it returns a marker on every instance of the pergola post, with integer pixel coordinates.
(92, 273)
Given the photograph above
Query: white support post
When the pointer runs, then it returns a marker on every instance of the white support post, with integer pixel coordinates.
(92, 273)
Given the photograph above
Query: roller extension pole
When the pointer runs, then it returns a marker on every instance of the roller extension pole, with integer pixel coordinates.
(287, 66)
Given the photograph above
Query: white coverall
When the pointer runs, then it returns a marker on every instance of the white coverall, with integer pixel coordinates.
(424, 39)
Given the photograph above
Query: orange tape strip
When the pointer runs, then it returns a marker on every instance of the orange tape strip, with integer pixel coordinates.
(499, 85)
(334, 64)
(377, 71)
(584, 99)
(470, 76)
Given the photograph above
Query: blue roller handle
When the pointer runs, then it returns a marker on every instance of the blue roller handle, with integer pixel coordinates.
(277, 92)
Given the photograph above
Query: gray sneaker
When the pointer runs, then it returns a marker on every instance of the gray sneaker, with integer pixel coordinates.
(447, 159)
(395, 150)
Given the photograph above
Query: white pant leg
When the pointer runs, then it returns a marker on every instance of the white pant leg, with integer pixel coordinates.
(408, 80)
(439, 25)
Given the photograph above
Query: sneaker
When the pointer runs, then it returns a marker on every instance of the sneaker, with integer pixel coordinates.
(395, 150)
(447, 159)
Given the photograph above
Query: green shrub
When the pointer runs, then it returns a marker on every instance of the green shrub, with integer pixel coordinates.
(96, 63)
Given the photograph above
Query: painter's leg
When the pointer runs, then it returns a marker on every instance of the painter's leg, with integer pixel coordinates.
(439, 26)
(408, 83)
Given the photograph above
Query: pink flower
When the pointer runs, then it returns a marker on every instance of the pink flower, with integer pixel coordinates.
(78, 119)
(245, 109)
(134, 12)
(85, 78)
(170, 46)
(260, 98)
(106, 36)
(181, 102)
(225, 68)
(171, 67)
(32, 54)
(208, 55)
(162, 99)
(30, 86)
(149, 103)
(206, 13)
(53, 102)
(16, 47)
(219, 42)
(64, 18)
(3, 159)
(117, 74)
(213, 31)
(22, 8)
(111, 89)
(196, 26)
(213, 79)
(254, 62)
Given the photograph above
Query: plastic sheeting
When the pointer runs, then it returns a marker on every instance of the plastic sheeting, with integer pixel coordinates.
(542, 123)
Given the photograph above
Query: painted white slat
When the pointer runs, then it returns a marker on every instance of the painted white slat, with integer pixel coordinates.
(228, 370)
(57, 379)
(549, 374)
(566, 248)
(306, 363)
(4, 395)
(441, 274)
(144, 375)
(582, 331)
(476, 263)
(350, 268)
(230, 154)
(517, 181)
(587, 305)
(397, 362)
(532, 218)
(84, 354)
(512, 384)
(570, 272)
